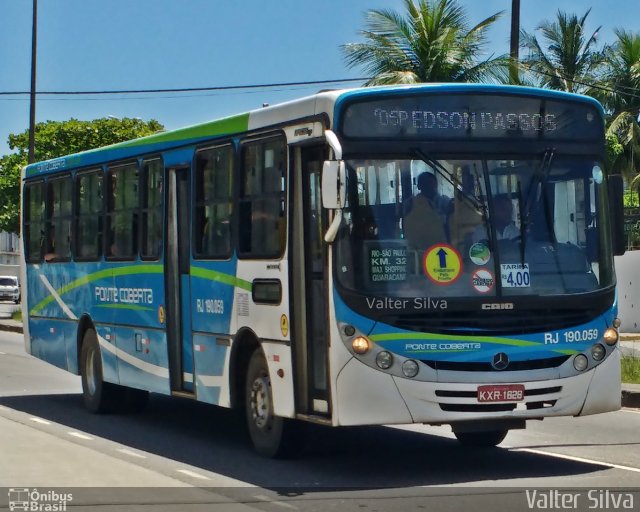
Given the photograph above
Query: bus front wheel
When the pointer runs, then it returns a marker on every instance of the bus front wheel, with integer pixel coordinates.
(271, 435)
(98, 396)
(481, 439)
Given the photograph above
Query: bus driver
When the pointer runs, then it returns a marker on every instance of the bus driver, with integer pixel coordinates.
(422, 224)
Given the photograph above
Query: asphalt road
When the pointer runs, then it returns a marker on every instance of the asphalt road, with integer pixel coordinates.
(181, 455)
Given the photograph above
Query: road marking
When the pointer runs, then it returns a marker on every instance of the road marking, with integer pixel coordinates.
(81, 436)
(627, 409)
(279, 503)
(133, 454)
(40, 420)
(3, 353)
(577, 459)
(193, 474)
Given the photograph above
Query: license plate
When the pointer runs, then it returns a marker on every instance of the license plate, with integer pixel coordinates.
(501, 393)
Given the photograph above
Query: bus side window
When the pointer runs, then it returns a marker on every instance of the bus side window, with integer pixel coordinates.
(214, 196)
(262, 205)
(152, 199)
(34, 211)
(88, 221)
(122, 211)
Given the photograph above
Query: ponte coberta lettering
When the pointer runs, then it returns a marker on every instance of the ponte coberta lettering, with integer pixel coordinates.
(113, 294)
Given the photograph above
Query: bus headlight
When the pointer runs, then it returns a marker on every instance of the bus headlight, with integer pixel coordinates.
(410, 368)
(611, 336)
(580, 362)
(598, 352)
(360, 345)
(617, 323)
(384, 360)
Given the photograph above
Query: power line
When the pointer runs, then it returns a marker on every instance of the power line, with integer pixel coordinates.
(185, 89)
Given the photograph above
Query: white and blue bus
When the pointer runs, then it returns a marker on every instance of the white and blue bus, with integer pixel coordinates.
(437, 254)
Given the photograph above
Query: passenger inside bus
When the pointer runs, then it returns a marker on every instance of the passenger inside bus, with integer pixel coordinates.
(506, 228)
(423, 223)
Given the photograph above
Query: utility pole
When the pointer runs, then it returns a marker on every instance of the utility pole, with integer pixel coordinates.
(515, 41)
(32, 101)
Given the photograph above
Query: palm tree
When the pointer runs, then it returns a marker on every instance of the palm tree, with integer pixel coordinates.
(431, 42)
(570, 59)
(621, 97)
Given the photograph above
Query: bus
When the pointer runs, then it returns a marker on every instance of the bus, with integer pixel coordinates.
(434, 254)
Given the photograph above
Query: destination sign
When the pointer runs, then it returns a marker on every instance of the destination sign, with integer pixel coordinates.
(463, 116)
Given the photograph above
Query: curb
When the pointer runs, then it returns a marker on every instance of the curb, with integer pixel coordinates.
(11, 328)
(630, 397)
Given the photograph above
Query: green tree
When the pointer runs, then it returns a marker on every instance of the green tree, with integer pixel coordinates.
(568, 59)
(621, 97)
(430, 42)
(55, 139)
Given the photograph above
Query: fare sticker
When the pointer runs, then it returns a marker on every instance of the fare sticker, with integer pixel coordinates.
(442, 264)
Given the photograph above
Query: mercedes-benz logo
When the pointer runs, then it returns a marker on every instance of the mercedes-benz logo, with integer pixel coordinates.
(500, 361)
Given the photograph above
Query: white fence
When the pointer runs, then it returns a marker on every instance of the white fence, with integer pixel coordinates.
(9, 248)
(627, 272)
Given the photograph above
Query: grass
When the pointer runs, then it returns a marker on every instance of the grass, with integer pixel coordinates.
(631, 370)
(631, 366)
(17, 315)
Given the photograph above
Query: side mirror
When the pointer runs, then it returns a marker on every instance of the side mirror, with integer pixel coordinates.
(616, 208)
(334, 186)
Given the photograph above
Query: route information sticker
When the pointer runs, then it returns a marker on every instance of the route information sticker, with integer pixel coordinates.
(442, 264)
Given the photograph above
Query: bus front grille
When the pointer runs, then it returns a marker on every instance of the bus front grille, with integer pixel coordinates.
(531, 364)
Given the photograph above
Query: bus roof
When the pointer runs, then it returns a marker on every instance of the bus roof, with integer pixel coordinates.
(322, 102)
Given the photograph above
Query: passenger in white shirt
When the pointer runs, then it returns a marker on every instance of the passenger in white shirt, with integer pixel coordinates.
(506, 228)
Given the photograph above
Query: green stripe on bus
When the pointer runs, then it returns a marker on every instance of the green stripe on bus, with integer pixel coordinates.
(448, 337)
(101, 274)
(202, 273)
(221, 277)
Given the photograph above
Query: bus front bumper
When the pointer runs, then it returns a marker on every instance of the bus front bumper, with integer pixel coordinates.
(369, 397)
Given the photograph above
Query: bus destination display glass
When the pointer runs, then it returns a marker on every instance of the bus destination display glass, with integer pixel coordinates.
(457, 116)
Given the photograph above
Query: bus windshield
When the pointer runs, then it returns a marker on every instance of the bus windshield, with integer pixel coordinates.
(464, 228)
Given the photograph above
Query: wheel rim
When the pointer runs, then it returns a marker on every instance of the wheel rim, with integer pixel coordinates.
(261, 402)
(91, 373)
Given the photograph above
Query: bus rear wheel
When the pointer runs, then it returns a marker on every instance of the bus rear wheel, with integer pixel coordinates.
(98, 396)
(271, 435)
(489, 438)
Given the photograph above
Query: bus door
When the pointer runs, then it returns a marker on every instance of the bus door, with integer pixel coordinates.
(309, 280)
(177, 280)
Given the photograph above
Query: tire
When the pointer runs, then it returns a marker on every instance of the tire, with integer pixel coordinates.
(98, 396)
(484, 439)
(272, 436)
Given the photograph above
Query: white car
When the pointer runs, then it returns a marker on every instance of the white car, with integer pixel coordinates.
(9, 288)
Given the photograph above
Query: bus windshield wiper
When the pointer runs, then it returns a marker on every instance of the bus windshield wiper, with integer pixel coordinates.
(542, 175)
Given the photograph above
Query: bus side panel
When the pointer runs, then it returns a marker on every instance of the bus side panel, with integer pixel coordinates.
(212, 286)
(108, 353)
(212, 361)
(142, 359)
(270, 321)
(51, 340)
(137, 299)
(212, 293)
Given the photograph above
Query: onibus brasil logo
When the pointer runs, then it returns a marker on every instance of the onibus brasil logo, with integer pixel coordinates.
(33, 500)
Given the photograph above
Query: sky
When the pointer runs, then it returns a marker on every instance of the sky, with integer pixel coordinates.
(151, 44)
